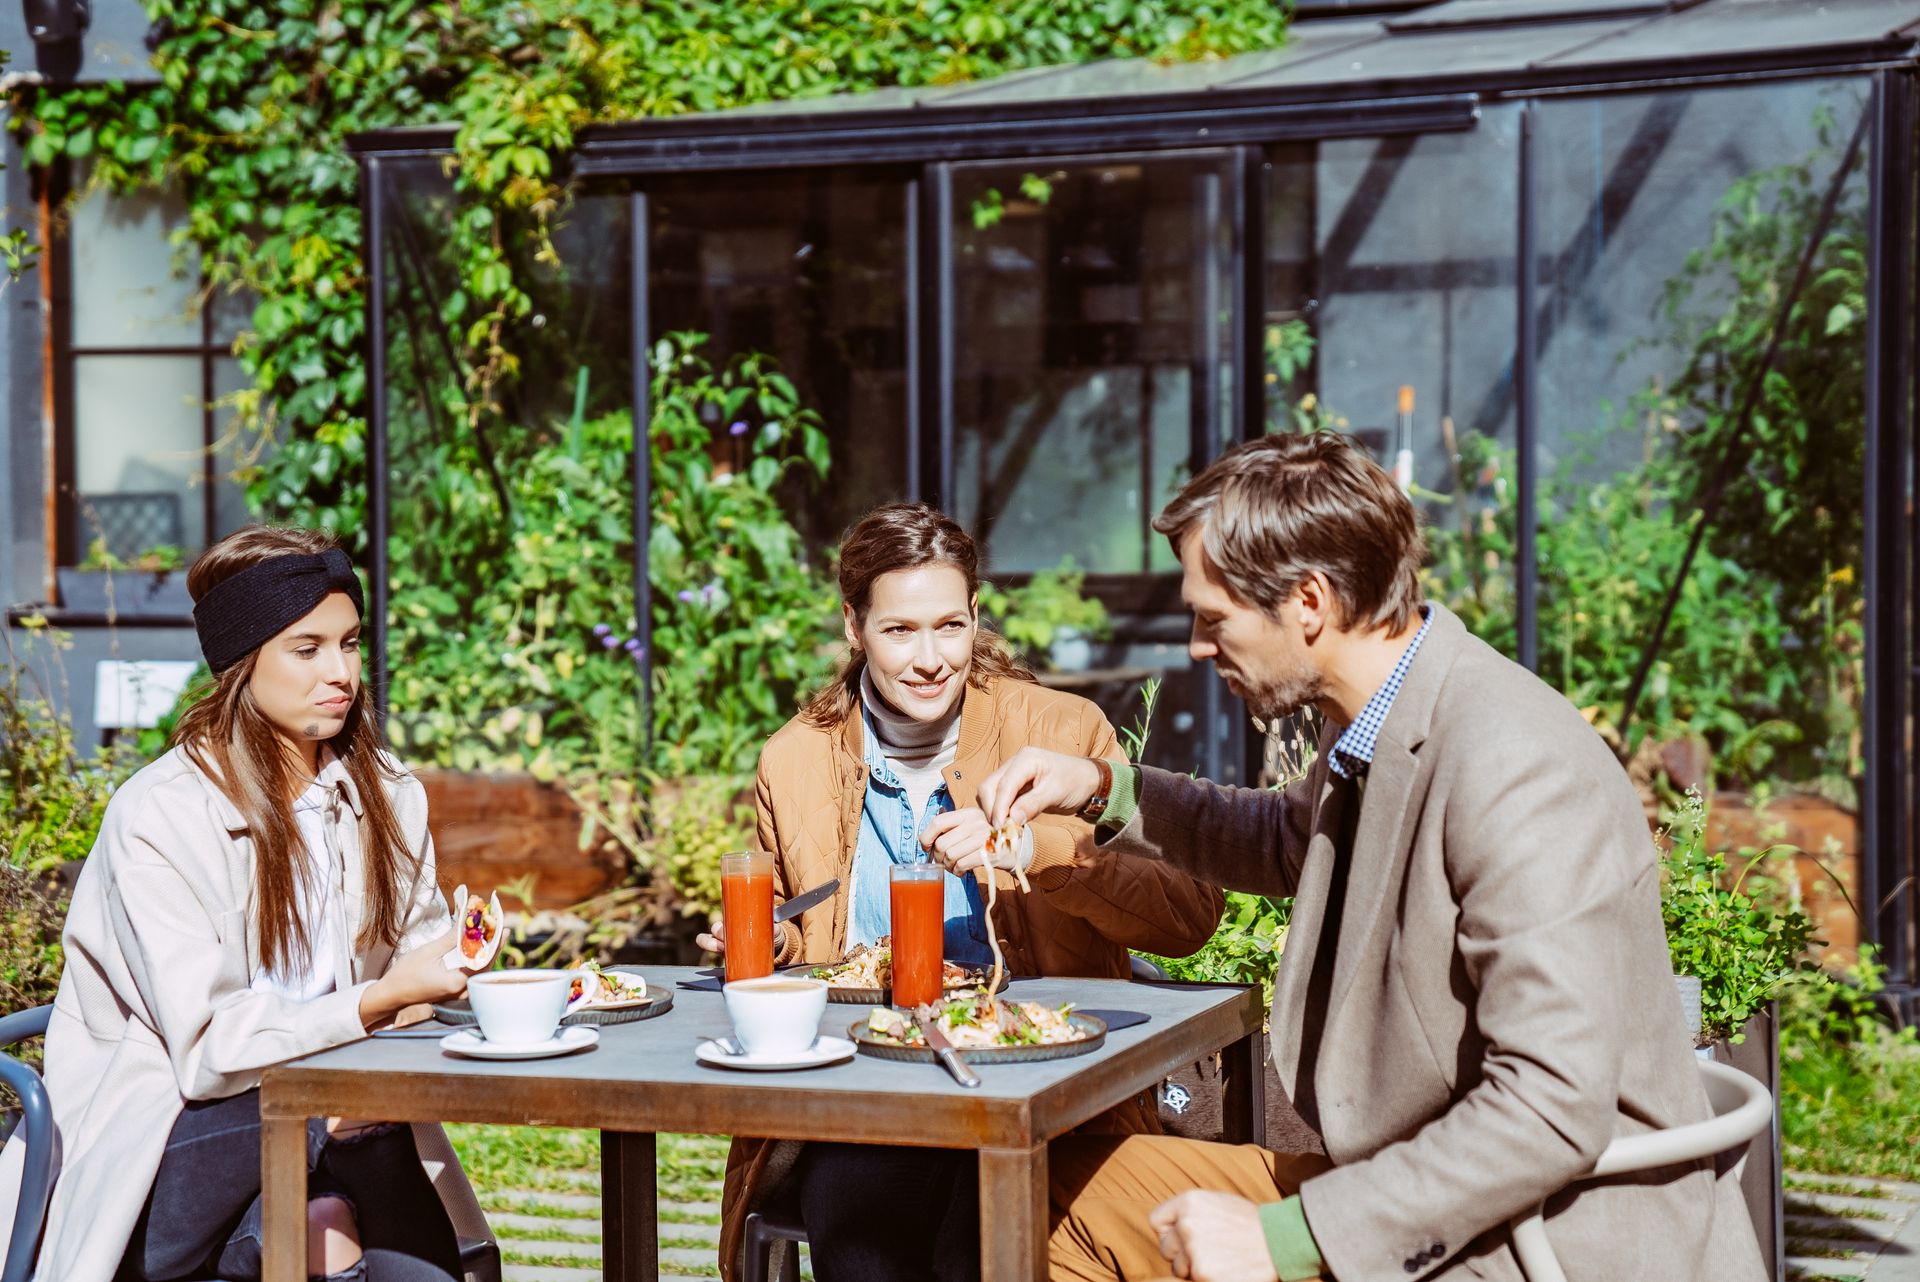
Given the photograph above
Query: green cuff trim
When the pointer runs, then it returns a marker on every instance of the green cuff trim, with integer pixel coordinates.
(1124, 797)
(1296, 1256)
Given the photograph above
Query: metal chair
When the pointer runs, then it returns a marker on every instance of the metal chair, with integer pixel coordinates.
(1141, 968)
(37, 1133)
(1742, 1108)
(479, 1257)
(764, 1228)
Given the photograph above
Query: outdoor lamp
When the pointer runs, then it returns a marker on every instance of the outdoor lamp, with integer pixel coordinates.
(56, 21)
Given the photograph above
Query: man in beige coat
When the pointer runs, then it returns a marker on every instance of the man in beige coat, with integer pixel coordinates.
(1475, 997)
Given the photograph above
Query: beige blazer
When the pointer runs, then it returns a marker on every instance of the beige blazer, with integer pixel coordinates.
(1501, 1004)
(154, 1006)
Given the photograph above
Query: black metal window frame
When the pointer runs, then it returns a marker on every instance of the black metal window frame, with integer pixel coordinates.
(67, 549)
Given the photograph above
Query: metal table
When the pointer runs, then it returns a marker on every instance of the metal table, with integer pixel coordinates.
(642, 1079)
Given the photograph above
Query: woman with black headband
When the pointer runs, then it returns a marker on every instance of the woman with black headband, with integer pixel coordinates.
(264, 890)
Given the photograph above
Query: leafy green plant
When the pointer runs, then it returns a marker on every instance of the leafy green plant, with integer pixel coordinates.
(1741, 950)
(160, 558)
(1034, 614)
(254, 104)
(52, 797)
(1244, 949)
(1605, 552)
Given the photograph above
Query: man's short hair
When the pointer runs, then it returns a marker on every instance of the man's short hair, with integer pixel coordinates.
(1273, 511)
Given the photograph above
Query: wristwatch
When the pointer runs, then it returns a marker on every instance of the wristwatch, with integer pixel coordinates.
(1097, 804)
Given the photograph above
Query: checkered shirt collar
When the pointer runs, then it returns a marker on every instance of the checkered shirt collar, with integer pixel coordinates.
(1353, 750)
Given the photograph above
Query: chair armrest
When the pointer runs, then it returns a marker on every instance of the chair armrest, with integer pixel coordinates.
(41, 1161)
(23, 1024)
(1742, 1108)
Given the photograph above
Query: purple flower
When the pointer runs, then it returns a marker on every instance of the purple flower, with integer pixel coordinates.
(639, 655)
(601, 629)
(608, 641)
(631, 645)
(685, 596)
(708, 591)
(739, 428)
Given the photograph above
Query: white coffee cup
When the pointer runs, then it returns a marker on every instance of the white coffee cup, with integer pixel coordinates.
(519, 1007)
(776, 1014)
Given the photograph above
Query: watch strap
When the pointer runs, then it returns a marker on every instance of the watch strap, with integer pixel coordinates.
(1097, 804)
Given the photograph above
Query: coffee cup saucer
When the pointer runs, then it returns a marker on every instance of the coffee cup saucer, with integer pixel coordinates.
(566, 1041)
(722, 1053)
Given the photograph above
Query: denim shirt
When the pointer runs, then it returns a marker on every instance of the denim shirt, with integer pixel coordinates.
(889, 834)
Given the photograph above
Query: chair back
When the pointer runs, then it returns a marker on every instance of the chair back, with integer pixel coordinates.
(37, 1133)
(1741, 1109)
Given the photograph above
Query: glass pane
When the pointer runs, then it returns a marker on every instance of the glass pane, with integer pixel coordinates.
(511, 526)
(232, 313)
(125, 292)
(810, 269)
(1093, 316)
(1672, 225)
(1391, 316)
(140, 453)
(231, 449)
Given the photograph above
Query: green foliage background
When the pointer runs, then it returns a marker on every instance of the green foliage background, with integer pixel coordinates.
(250, 120)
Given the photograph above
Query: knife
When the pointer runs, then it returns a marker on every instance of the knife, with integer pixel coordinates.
(800, 903)
(942, 1048)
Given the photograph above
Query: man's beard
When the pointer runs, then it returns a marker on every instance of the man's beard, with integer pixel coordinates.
(1284, 695)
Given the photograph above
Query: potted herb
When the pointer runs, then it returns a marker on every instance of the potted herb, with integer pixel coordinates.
(151, 585)
(1742, 951)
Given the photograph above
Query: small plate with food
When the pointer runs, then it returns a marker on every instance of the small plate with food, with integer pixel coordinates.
(865, 977)
(984, 1030)
(599, 995)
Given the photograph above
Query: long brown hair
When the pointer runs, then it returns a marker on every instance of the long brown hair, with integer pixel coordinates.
(230, 739)
(906, 536)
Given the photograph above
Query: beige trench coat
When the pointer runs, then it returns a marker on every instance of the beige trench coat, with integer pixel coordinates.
(154, 1007)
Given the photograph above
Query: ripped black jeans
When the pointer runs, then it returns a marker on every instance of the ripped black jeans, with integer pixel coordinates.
(202, 1217)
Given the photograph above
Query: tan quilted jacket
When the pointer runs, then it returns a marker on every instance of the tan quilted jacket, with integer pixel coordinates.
(1085, 912)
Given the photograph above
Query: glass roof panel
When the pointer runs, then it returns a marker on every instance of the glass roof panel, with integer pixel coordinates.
(1740, 26)
(1127, 77)
(1473, 13)
(1444, 53)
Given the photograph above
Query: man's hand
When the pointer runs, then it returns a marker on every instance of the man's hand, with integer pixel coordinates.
(1213, 1237)
(714, 939)
(1034, 781)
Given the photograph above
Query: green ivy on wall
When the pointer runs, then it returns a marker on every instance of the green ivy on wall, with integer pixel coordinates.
(249, 122)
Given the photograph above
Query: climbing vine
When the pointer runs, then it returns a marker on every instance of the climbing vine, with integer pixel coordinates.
(255, 102)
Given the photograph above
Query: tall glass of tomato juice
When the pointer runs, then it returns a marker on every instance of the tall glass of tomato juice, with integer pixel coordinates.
(919, 915)
(746, 907)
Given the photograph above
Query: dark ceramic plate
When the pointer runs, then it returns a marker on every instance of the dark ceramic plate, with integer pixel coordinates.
(659, 1002)
(883, 996)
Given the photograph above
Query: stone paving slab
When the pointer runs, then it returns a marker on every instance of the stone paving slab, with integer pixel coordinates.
(1872, 1250)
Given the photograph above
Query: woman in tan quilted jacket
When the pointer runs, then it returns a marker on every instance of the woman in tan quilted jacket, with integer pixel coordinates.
(880, 768)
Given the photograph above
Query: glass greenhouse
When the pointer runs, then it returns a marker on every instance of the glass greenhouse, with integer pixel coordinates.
(1622, 291)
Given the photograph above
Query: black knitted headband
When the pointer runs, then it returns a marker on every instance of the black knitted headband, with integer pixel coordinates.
(239, 615)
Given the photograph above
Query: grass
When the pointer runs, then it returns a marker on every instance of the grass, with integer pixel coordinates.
(509, 1159)
(1850, 1110)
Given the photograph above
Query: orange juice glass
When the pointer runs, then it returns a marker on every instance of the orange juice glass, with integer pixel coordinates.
(746, 907)
(919, 916)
